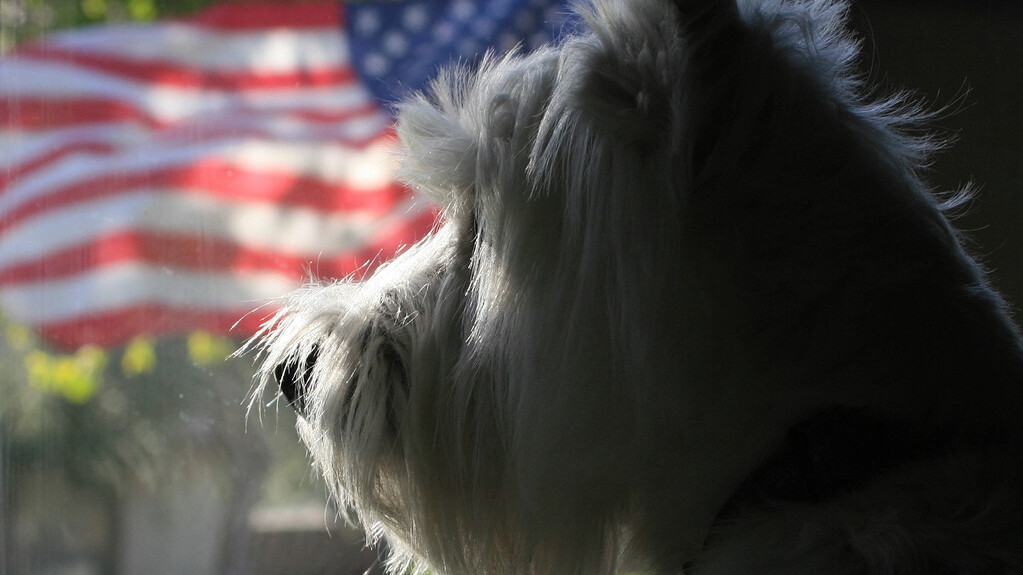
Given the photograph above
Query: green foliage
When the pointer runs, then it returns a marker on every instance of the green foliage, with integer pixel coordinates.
(107, 417)
(21, 20)
(92, 11)
(140, 414)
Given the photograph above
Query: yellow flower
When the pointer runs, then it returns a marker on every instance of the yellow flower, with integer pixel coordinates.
(139, 357)
(94, 9)
(75, 377)
(206, 349)
(142, 10)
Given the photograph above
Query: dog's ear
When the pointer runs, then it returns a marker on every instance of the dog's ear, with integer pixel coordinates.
(622, 93)
(438, 155)
(637, 59)
(622, 101)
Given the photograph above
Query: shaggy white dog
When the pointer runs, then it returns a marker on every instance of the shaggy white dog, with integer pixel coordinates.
(691, 309)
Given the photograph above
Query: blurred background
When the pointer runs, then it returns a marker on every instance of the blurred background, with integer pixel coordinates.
(168, 166)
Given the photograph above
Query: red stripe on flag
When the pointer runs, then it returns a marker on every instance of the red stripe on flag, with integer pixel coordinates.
(256, 15)
(195, 253)
(156, 73)
(114, 327)
(13, 173)
(49, 113)
(213, 178)
(163, 249)
(117, 326)
(116, 126)
(53, 113)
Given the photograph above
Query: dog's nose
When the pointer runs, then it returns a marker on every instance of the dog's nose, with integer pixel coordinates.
(293, 375)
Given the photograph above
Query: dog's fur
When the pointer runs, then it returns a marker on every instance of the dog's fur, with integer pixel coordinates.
(691, 309)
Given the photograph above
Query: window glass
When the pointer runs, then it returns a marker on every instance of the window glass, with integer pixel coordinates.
(170, 167)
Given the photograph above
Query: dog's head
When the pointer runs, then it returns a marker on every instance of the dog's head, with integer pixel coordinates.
(666, 242)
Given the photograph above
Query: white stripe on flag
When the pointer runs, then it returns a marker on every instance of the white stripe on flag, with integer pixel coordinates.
(21, 147)
(268, 51)
(27, 77)
(129, 284)
(367, 169)
(293, 231)
(165, 177)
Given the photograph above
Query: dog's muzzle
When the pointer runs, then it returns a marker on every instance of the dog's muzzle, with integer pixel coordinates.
(293, 377)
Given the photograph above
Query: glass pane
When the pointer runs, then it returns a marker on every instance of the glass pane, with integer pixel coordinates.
(168, 169)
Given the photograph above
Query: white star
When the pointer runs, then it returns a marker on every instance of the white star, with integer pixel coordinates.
(376, 64)
(395, 44)
(462, 10)
(415, 18)
(444, 32)
(367, 22)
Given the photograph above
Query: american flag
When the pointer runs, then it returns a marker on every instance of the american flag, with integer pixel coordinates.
(173, 176)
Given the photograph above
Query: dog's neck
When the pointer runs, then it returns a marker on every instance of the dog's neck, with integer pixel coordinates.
(834, 451)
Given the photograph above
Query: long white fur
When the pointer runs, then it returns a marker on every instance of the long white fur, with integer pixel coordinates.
(617, 321)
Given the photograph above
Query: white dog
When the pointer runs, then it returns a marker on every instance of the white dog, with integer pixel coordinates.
(691, 309)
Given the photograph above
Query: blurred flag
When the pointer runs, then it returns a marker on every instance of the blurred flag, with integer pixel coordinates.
(169, 177)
